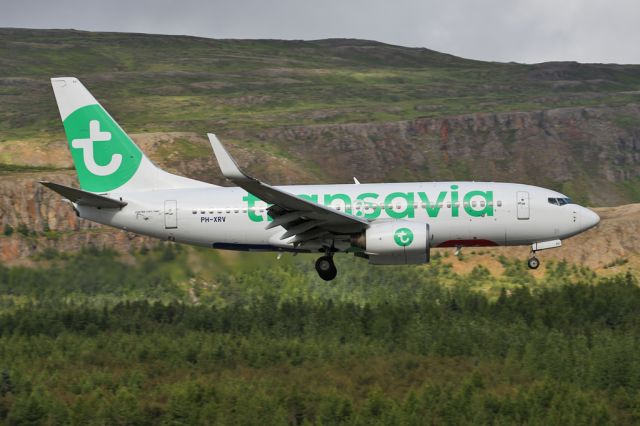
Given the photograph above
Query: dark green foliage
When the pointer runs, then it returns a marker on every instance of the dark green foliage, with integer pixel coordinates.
(5, 383)
(23, 230)
(92, 273)
(104, 341)
(8, 230)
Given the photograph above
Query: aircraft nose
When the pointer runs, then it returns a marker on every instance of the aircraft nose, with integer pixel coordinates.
(589, 218)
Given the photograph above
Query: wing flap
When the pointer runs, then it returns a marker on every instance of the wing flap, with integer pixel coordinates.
(285, 219)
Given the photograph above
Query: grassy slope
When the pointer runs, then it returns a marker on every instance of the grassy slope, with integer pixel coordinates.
(170, 83)
(158, 83)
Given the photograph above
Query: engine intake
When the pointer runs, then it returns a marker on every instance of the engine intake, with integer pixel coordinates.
(397, 242)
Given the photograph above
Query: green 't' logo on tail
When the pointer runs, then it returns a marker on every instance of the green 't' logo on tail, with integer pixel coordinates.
(104, 156)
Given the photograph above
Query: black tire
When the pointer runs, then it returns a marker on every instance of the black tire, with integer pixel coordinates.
(533, 263)
(326, 268)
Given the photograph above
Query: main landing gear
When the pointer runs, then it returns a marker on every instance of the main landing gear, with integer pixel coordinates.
(533, 261)
(326, 268)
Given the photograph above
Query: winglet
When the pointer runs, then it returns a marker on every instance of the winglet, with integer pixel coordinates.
(227, 164)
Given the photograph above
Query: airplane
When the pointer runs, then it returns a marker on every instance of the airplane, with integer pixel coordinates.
(384, 223)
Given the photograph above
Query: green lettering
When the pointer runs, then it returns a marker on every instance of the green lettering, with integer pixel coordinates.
(454, 201)
(486, 210)
(408, 210)
(372, 205)
(251, 203)
(433, 209)
(329, 198)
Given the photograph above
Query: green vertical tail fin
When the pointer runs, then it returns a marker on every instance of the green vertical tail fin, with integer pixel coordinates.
(105, 157)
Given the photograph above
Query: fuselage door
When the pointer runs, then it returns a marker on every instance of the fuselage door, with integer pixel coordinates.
(522, 198)
(170, 214)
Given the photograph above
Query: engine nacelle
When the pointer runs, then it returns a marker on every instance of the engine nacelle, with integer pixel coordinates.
(396, 242)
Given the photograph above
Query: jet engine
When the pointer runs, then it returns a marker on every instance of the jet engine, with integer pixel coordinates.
(396, 242)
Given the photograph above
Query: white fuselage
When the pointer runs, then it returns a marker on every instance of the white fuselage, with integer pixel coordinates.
(458, 213)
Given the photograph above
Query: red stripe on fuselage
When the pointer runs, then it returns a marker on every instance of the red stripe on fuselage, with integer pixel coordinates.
(468, 243)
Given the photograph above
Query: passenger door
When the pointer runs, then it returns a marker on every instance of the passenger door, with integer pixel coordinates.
(170, 214)
(522, 198)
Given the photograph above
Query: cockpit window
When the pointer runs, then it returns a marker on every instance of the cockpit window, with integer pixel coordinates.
(564, 201)
(560, 201)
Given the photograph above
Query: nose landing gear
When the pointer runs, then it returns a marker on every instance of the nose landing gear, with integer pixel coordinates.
(326, 268)
(533, 262)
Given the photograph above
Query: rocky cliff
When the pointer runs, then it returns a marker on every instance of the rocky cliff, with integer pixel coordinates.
(311, 112)
(588, 153)
(582, 151)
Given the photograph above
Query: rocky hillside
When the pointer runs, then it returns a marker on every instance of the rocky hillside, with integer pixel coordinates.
(318, 111)
(381, 112)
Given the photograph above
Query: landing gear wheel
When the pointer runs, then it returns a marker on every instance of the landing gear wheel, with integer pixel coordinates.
(533, 263)
(326, 268)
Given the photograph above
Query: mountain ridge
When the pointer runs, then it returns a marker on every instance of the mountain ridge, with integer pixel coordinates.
(319, 111)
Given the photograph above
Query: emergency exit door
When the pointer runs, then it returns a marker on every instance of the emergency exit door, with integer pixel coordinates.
(523, 204)
(170, 214)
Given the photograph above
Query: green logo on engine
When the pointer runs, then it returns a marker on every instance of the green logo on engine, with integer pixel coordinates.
(403, 237)
(103, 154)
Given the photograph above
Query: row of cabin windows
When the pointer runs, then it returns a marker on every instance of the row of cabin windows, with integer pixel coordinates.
(360, 207)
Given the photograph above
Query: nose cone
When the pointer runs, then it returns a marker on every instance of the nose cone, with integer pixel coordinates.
(589, 219)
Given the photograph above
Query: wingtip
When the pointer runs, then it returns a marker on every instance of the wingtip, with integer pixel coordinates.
(62, 81)
(216, 144)
(227, 164)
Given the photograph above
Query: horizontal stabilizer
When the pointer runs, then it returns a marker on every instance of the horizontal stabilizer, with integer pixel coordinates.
(84, 198)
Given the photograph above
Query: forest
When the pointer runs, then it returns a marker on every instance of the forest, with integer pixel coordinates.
(143, 338)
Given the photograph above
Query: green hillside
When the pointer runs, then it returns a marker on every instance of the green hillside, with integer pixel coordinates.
(169, 83)
(290, 98)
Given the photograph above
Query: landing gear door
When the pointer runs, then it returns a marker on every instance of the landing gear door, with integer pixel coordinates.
(170, 214)
(523, 205)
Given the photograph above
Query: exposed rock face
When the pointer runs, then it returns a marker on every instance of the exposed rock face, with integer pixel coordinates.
(580, 150)
(18, 249)
(48, 222)
(577, 149)
(24, 201)
(591, 153)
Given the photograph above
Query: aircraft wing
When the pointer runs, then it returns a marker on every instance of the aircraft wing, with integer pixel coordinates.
(84, 198)
(303, 219)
